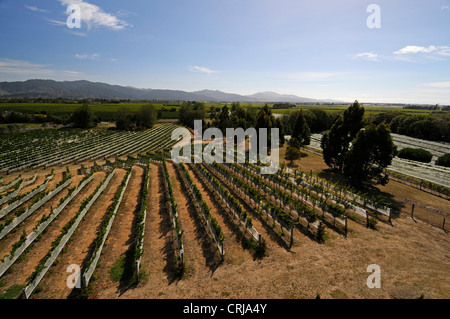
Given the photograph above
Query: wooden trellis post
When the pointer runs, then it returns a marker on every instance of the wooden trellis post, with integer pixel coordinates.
(292, 237)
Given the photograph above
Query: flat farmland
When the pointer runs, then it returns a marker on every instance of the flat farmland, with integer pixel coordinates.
(216, 231)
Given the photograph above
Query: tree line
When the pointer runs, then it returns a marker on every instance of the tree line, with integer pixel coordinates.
(432, 127)
(358, 149)
(145, 118)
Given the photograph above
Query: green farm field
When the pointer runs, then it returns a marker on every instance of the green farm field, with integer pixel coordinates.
(369, 110)
(110, 108)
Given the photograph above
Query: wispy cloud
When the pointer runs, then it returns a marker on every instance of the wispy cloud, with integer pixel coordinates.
(94, 56)
(93, 15)
(35, 9)
(80, 34)
(445, 8)
(125, 13)
(9, 66)
(368, 56)
(26, 68)
(201, 69)
(57, 22)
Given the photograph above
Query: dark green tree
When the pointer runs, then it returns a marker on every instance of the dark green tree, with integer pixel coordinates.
(83, 117)
(292, 154)
(147, 116)
(293, 142)
(301, 130)
(124, 119)
(371, 152)
(191, 111)
(335, 142)
(293, 150)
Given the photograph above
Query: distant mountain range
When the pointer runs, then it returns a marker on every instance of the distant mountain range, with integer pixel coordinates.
(86, 89)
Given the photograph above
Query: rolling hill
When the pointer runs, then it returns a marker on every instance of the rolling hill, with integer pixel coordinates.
(86, 89)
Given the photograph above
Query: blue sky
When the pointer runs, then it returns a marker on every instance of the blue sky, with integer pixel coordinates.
(316, 49)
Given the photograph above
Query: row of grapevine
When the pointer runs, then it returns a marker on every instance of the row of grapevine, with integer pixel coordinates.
(140, 226)
(172, 210)
(305, 201)
(260, 204)
(53, 147)
(34, 205)
(105, 228)
(341, 195)
(233, 208)
(25, 241)
(277, 186)
(20, 200)
(14, 189)
(59, 243)
(13, 183)
(203, 209)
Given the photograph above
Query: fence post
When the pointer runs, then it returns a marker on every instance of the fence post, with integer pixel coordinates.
(443, 224)
(412, 211)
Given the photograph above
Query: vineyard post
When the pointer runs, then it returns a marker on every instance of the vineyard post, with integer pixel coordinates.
(412, 212)
(137, 268)
(346, 226)
(367, 218)
(292, 237)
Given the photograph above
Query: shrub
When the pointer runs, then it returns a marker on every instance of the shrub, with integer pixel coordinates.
(415, 154)
(444, 160)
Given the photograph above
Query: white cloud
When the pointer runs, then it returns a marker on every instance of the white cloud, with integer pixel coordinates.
(413, 49)
(368, 56)
(439, 85)
(445, 8)
(201, 69)
(93, 56)
(93, 15)
(35, 9)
